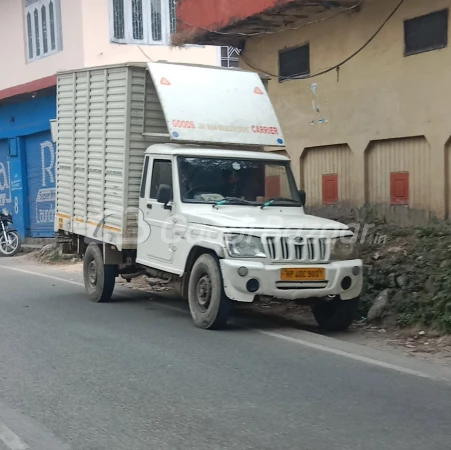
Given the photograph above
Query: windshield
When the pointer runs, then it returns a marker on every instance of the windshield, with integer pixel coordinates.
(213, 180)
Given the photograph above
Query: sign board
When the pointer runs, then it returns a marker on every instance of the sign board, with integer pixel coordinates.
(215, 105)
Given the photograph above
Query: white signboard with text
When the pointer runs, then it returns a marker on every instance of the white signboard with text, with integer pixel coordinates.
(216, 105)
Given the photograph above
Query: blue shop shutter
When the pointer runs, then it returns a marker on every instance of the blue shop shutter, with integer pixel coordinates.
(41, 162)
(5, 178)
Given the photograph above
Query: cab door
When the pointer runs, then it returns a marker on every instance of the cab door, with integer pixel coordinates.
(157, 249)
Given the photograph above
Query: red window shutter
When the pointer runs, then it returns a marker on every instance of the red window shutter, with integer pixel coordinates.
(330, 189)
(399, 188)
(272, 187)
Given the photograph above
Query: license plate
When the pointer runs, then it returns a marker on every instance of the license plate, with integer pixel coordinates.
(311, 274)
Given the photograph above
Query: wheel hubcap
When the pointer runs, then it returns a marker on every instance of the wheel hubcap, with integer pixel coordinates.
(204, 292)
(92, 271)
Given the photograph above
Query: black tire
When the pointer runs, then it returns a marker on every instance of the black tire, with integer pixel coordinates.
(14, 236)
(209, 306)
(99, 278)
(336, 314)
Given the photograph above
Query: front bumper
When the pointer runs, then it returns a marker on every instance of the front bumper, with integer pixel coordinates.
(268, 276)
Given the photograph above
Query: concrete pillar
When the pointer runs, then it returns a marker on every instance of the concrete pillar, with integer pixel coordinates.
(438, 184)
(358, 147)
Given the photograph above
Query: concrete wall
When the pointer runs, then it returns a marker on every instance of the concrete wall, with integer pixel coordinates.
(99, 50)
(86, 42)
(15, 68)
(391, 110)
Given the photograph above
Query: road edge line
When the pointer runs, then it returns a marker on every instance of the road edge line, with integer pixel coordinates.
(354, 356)
(50, 277)
(10, 439)
(338, 352)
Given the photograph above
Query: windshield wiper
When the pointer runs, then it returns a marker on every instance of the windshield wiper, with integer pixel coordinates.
(231, 200)
(280, 199)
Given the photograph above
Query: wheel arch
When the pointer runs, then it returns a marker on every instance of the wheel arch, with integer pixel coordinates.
(198, 250)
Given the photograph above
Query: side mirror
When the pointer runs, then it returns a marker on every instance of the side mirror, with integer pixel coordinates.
(302, 196)
(164, 195)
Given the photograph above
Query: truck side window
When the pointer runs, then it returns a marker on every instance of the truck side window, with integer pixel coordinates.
(161, 174)
(144, 179)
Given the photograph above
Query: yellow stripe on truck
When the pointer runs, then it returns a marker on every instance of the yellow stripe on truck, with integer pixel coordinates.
(106, 227)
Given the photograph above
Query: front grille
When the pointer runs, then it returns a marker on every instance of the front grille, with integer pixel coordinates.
(301, 249)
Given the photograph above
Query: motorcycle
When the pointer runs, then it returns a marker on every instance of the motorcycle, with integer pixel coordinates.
(10, 241)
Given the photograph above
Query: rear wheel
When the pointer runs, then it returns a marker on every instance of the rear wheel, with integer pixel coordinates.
(10, 245)
(335, 314)
(210, 308)
(99, 278)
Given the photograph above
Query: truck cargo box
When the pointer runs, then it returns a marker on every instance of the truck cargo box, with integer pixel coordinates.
(109, 116)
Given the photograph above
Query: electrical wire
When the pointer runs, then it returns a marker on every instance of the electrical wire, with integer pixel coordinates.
(336, 66)
(258, 33)
(145, 54)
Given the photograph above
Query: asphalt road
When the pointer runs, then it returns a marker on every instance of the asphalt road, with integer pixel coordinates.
(135, 374)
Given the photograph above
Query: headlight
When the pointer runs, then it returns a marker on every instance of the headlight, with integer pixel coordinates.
(342, 250)
(242, 246)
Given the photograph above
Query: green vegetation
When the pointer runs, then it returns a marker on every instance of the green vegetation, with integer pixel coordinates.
(415, 266)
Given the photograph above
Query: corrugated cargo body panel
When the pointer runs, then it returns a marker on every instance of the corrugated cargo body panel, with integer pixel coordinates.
(154, 120)
(93, 148)
(111, 127)
(147, 126)
(107, 118)
(65, 179)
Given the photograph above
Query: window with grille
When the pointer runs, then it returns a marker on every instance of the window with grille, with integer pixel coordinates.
(426, 33)
(43, 28)
(142, 21)
(230, 56)
(294, 62)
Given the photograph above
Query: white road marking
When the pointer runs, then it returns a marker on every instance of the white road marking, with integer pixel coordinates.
(43, 275)
(354, 356)
(10, 439)
(34, 433)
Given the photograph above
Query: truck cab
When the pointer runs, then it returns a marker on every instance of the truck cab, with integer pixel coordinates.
(241, 215)
(181, 188)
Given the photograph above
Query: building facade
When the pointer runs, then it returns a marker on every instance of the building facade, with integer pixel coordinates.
(42, 37)
(361, 89)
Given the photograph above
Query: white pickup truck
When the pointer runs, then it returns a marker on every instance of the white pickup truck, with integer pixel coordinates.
(161, 172)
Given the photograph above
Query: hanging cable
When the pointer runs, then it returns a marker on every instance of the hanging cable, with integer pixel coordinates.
(145, 54)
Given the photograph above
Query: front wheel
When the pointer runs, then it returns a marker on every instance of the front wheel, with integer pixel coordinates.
(99, 278)
(210, 308)
(335, 314)
(10, 245)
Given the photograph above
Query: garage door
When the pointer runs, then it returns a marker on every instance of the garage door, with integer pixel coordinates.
(5, 185)
(41, 161)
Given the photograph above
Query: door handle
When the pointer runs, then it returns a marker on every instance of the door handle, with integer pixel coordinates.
(149, 205)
